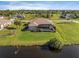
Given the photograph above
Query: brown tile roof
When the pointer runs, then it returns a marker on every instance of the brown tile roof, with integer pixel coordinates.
(40, 21)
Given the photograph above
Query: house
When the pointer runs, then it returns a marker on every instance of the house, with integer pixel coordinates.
(19, 16)
(68, 16)
(41, 25)
(4, 23)
(1, 17)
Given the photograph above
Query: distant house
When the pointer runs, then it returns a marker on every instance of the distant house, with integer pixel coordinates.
(41, 24)
(18, 16)
(68, 16)
(4, 23)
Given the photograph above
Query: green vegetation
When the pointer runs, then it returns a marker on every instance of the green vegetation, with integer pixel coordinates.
(27, 38)
(55, 16)
(66, 33)
(69, 32)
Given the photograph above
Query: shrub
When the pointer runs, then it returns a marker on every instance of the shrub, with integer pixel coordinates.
(55, 44)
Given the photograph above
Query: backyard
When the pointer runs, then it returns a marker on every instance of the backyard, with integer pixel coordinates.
(25, 37)
(66, 32)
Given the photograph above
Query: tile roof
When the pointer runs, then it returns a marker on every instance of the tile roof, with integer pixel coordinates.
(40, 21)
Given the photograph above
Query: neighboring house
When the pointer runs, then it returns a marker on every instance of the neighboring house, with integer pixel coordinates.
(4, 23)
(68, 16)
(1, 17)
(41, 24)
(18, 16)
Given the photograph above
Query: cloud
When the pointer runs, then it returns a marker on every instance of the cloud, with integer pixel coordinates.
(42, 5)
(25, 5)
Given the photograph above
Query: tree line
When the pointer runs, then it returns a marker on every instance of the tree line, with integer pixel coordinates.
(41, 13)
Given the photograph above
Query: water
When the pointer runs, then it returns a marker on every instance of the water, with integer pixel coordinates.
(38, 52)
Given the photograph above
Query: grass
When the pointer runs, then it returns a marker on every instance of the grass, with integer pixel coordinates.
(33, 38)
(69, 32)
(26, 37)
(55, 16)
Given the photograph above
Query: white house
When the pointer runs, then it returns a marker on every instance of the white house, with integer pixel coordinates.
(4, 23)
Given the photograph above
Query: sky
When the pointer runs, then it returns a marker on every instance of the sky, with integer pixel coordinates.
(39, 5)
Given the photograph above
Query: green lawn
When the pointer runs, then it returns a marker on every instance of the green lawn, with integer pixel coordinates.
(69, 32)
(34, 38)
(26, 37)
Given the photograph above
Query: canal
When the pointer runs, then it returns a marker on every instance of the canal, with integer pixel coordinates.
(38, 52)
